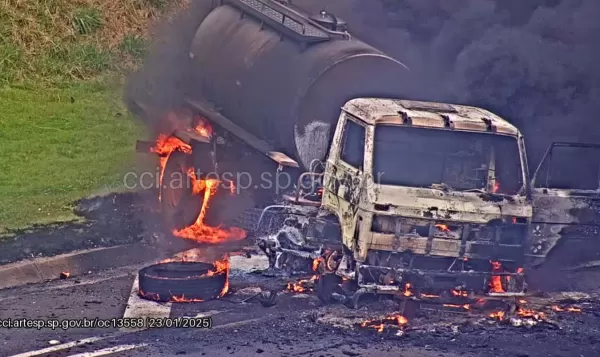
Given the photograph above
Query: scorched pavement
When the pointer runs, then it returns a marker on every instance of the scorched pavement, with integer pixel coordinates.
(296, 324)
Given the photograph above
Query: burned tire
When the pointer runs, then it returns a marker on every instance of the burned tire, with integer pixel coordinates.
(180, 207)
(181, 282)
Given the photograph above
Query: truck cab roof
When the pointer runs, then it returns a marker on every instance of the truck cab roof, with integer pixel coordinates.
(375, 111)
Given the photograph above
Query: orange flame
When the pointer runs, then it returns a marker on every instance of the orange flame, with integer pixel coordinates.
(531, 313)
(464, 306)
(220, 266)
(568, 309)
(442, 227)
(379, 325)
(224, 265)
(315, 263)
(528, 313)
(165, 145)
(302, 286)
(461, 293)
(498, 315)
(198, 231)
(407, 292)
(197, 185)
(182, 298)
(203, 127)
(429, 296)
(496, 187)
(496, 281)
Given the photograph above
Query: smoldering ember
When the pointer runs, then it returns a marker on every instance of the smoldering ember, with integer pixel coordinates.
(442, 188)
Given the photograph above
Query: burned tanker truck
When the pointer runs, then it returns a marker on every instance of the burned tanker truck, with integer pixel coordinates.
(395, 196)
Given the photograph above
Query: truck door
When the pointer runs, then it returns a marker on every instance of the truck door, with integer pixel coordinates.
(566, 206)
(344, 175)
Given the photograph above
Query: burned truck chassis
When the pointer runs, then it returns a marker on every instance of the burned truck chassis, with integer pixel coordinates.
(298, 249)
(299, 237)
(307, 235)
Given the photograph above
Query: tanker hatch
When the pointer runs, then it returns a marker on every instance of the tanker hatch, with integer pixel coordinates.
(330, 21)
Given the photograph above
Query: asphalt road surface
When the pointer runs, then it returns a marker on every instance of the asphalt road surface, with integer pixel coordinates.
(238, 329)
(293, 327)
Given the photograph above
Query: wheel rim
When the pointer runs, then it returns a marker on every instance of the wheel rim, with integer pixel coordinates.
(180, 206)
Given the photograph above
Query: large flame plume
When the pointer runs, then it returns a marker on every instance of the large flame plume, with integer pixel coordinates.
(205, 189)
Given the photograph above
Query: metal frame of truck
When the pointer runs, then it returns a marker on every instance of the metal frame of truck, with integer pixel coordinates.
(342, 183)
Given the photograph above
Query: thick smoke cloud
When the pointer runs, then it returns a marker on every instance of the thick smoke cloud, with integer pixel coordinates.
(162, 81)
(534, 62)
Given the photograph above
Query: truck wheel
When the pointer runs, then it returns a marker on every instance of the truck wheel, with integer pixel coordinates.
(180, 207)
(326, 286)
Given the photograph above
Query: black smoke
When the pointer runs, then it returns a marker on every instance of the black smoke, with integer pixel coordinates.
(534, 62)
(162, 80)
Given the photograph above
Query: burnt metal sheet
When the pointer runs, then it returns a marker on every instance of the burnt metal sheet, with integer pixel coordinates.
(427, 114)
(282, 17)
(432, 280)
(572, 221)
(188, 137)
(566, 218)
(427, 106)
(447, 247)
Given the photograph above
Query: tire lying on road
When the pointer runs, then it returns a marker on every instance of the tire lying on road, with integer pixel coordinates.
(182, 282)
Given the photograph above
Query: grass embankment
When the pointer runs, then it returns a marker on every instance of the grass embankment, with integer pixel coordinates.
(59, 145)
(64, 132)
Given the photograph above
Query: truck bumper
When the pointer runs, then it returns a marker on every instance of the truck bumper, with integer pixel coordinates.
(438, 282)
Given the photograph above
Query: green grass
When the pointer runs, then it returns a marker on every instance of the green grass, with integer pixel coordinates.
(65, 63)
(10, 61)
(60, 144)
(64, 133)
(134, 46)
(87, 20)
(158, 4)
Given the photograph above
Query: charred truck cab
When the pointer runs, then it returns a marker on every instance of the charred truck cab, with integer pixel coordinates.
(430, 198)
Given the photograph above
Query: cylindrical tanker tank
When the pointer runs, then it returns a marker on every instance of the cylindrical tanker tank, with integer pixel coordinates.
(283, 91)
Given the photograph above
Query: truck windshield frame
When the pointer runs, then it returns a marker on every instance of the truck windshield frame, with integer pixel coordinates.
(455, 160)
(569, 166)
